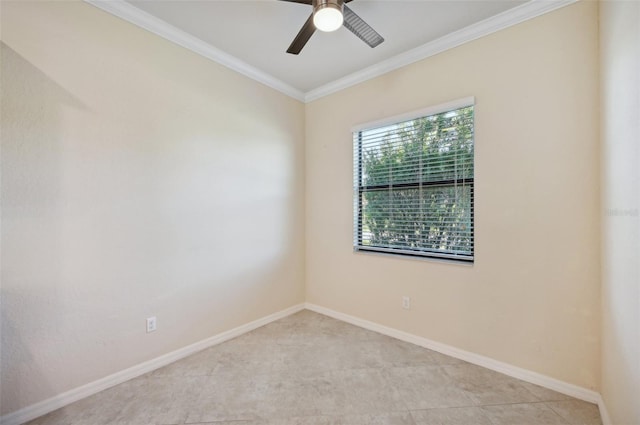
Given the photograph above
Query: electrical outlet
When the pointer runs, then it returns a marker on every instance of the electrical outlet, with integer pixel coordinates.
(406, 302)
(151, 324)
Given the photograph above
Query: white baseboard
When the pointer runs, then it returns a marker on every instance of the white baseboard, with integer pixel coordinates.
(604, 413)
(38, 409)
(489, 363)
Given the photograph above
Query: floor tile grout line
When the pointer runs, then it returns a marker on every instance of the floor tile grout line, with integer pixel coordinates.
(518, 402)
(558, 413)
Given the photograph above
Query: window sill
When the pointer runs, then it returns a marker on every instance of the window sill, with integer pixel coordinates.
(393, 255)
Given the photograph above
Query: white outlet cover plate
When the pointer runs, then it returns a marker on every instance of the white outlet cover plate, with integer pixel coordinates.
(151, 324)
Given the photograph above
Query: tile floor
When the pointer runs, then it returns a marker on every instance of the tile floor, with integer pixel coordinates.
(309, 369)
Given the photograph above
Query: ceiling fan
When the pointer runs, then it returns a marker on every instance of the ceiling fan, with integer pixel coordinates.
(329, 15)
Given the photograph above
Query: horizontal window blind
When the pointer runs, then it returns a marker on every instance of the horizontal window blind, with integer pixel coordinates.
(413, 186)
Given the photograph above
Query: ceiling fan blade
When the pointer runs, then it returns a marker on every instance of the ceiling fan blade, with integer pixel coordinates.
(300, 1)
(360, 28)
(303, 36)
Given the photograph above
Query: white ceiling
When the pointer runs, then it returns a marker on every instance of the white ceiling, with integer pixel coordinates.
(252, 36)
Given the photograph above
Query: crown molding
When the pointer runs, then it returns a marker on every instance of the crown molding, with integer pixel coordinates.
(506, 19)
(130, 13)
(524, 12)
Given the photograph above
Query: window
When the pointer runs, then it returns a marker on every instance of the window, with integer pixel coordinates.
(413, 184)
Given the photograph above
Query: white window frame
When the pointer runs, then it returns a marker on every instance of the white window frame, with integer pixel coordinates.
(425, 112)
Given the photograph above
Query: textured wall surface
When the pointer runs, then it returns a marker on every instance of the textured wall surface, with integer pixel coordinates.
(532, 297)
(620, 84)
(138, 179)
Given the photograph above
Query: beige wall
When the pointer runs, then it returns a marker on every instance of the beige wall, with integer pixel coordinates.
(532, 297)
(138, 179)
(620, 84)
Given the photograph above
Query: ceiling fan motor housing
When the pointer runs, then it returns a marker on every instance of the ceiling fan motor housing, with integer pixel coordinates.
(321, 4)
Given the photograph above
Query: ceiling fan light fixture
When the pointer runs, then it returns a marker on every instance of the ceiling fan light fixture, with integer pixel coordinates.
(327, 15)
